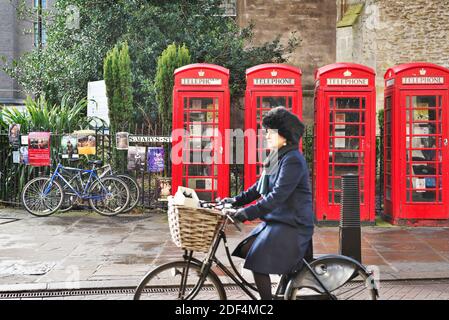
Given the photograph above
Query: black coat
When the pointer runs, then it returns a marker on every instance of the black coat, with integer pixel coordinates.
(284, 235)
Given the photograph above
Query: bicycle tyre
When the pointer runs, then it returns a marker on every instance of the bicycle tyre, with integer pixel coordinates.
(107, 206)
(134, 191)
(307, 287)
(36, 206)
(160, 288)
(70, 198)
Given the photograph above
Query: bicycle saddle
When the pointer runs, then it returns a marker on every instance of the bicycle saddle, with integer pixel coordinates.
(95, 162)
(73, 160)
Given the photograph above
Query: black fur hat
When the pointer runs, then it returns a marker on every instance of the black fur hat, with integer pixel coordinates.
(286, 123)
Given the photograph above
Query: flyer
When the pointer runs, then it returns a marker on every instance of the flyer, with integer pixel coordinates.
(39, 149)
(24, 140)
(155, 160)
(122, 140)
(16, 156)
(69, 147)
(86, 142)
(23, 155)
(136, 158)
(14, 135)
(164, 188)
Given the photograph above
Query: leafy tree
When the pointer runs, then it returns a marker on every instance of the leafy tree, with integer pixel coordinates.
(74, 56)
(171, 58)
(74, 53)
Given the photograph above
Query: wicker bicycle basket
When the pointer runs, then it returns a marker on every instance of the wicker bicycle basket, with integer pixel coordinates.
(192, 228)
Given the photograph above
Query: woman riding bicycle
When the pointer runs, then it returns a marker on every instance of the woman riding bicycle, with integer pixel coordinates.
(280, 242)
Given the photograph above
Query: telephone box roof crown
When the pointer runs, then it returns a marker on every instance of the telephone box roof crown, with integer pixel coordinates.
(273, 66)
(407, 66)
(344, 66)
(203, 66)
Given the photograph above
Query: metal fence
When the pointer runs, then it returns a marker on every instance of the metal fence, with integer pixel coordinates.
(14, 176)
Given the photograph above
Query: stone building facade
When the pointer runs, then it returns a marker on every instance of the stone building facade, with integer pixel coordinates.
(14, 40)
(314, 24)
(384, 33)
(17, 36)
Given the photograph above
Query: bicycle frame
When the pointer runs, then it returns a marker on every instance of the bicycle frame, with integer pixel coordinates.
(84, 193)
(107, 170)
(211, 258)
(237, 278)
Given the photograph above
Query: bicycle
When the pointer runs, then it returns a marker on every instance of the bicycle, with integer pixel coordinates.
(331, 277)
(43, 196)
(134, 190)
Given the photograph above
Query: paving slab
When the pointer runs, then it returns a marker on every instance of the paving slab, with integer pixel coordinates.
(81, 250)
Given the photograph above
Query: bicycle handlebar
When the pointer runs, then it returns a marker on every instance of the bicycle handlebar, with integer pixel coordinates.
(222, 209)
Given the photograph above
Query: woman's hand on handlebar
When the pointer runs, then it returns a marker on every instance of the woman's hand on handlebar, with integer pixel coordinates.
(230, 201)
(237, 214)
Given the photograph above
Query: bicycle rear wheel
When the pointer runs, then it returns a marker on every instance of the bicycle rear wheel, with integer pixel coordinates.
(134, 191)
(164, 283)
(110, 196)
(40, 198)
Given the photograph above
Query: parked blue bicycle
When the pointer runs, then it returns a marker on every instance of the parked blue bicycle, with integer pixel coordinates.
(107, 195)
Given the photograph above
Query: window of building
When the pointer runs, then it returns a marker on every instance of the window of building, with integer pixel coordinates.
(43, 3)
(40, 4)
(230, 7)
(36, 35)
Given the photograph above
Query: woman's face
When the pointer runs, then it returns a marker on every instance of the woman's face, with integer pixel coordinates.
(274, 140)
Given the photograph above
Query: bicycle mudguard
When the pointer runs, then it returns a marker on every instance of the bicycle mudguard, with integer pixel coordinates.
(332, 270)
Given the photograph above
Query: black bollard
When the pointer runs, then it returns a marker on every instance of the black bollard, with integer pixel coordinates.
(350, 231)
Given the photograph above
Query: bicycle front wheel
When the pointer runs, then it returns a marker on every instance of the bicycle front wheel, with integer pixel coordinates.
(109, 196)
(134, 191)
(42, 197)
(165, 283)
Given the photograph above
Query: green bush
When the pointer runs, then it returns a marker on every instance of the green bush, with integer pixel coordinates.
(171, 58)
(118, 79)
(39, 115)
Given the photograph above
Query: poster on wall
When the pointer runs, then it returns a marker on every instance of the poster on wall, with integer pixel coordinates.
(136, 158)
(24, 140)
(419, 184)
(122, 140)
(155, 160)
(340, 118)
(340, 143)
(39, 149)
(23, 155)
(14, 135)
(86, 142)
(16, 157)
(164, 188)
(97, 101)
(69, 147)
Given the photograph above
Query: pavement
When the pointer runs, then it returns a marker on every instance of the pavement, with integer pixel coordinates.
(84, 250)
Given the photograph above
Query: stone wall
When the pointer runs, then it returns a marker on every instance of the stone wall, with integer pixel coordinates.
(314, 23)
(391, 32)
(16, 38)
(7, 45)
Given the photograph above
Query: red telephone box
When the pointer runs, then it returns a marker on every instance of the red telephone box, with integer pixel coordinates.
(344, 137)
(416, 158)
(267, 86)
(200, 117)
